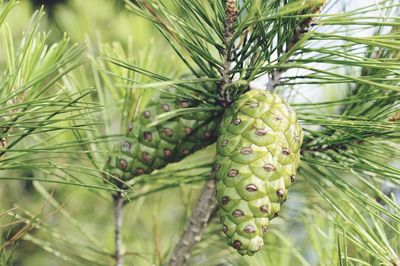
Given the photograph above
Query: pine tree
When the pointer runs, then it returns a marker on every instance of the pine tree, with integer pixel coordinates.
(336, 65)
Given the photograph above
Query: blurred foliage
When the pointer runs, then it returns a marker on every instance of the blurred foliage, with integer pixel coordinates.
(55, 209)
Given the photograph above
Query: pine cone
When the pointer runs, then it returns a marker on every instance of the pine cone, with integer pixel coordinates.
(149, 148)
(258, 152)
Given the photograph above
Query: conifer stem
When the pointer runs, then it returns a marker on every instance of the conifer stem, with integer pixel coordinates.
(207, 202)
(301, 29)
(231, 16)
(204, 208)
(118, 212)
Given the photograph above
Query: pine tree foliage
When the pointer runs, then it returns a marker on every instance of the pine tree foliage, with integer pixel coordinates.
(350, 142)
(336, 65)
(36, 112)
(31, 106)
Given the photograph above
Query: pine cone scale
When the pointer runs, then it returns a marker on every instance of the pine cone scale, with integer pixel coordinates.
(149, 148)
(258, 154)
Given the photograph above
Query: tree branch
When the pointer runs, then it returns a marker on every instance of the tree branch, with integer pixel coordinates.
(207, 202)
(118, 208)
(231, 16)
(205, 206)
(275, 76)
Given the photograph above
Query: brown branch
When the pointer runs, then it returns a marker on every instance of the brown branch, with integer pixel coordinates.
(118, 206)
(231, 16)
(207, 202)
(275, 76)
(205, 206)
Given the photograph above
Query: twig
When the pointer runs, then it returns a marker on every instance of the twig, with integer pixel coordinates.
(118, 206)
(205, 206)
(207, 202)
(324, 148)
(231, 16)
(275, 76)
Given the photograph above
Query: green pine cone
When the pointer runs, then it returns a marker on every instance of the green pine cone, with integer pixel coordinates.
(258, 152)
(146, 149)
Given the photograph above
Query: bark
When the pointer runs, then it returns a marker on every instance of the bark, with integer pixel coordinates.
(201, 214)
(118, 212)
